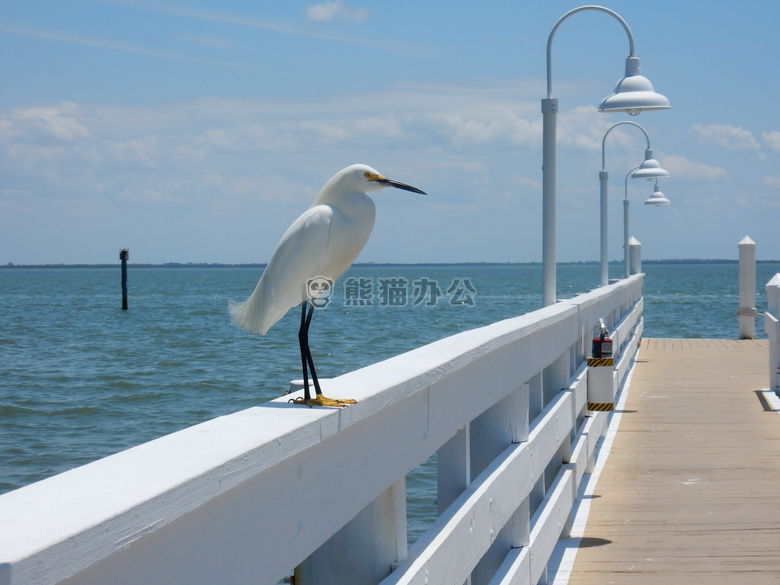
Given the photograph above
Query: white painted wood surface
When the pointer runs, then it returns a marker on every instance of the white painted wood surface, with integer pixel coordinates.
(772, 329)
(246, 498)
(634, 256)
(747, 289)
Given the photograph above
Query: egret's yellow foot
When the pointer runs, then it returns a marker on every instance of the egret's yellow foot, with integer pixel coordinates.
(321, 400)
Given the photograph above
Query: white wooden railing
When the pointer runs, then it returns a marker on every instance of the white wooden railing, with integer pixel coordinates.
(772, 329)
(250, 497)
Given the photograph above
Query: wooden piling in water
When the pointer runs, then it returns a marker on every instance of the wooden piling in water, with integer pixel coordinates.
(124, 255)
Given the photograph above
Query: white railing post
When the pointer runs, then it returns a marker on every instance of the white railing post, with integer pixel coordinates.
(453, 468)
(366, 549)
(747, 289)
(773, 295)
(772, 329)
(635, 256)
(497, 428)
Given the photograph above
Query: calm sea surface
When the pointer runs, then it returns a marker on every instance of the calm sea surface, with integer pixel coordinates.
(81, 379)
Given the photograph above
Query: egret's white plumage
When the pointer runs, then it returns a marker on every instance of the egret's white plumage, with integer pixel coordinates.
(323, 241)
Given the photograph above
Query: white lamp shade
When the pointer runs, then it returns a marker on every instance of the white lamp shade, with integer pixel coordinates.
(657, 198)
(633, 93)
(650, 168)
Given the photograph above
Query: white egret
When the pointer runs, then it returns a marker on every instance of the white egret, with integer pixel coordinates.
(323, 242)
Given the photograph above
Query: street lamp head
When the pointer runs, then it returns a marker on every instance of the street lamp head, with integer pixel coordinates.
(650, 168)
(633, 93)
(657, 198)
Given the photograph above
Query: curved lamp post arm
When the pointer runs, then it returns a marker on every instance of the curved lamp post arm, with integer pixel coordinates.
(604, 141)
(567, 15)
(626, 182)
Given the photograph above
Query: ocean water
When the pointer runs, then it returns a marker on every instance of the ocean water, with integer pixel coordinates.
(81, 379)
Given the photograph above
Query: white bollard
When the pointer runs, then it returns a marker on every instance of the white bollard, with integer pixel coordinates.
(747, 289)
(635, 256)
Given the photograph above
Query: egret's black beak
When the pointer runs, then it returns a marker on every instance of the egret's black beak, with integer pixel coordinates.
(399, 185)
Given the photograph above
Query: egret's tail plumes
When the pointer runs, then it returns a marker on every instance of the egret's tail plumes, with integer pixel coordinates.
(273, 296)
(249, 314)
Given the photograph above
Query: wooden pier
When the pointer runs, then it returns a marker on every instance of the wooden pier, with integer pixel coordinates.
(689, 491)
(687, 494)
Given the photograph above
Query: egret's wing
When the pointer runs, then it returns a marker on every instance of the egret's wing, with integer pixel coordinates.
(299, 256)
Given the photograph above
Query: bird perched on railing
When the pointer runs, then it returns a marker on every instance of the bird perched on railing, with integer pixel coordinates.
(313, 253)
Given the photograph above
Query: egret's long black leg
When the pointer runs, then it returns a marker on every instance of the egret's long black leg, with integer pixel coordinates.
(303, 341)
(307, 365)
(309, 359)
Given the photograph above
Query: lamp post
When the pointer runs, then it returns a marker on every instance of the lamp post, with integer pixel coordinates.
(657, 199)
(649, 169)
(633, 93)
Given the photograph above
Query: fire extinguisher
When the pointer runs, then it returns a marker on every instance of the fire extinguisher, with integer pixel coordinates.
(602, 344)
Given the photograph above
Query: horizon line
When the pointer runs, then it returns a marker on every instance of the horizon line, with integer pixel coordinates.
(11, 265)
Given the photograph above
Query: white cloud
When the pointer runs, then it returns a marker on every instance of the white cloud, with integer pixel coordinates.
(421, 116)
(532, 184)
(772, 139)
(317, 12)
(260, 161)
(329, 11)
(222, 151)
(685, 169)
(505, 128)
(772, 182)
(38, 123)
(584, 128)
(212, 43)
(729, 137)
(114, 46)
(150, 195)
(143, 151)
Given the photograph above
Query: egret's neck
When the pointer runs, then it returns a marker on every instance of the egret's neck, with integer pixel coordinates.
(352, 205)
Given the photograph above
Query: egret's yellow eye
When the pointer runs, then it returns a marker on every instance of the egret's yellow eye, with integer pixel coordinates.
(367, 175)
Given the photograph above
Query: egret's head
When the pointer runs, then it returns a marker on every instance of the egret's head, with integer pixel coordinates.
(367, 179)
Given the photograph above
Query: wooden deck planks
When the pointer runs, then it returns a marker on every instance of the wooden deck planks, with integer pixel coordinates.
(690, 492)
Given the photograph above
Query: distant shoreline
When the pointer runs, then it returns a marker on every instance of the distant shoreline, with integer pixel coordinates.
(11, 266)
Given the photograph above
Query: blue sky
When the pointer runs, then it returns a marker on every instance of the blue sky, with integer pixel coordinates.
(197, 131)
